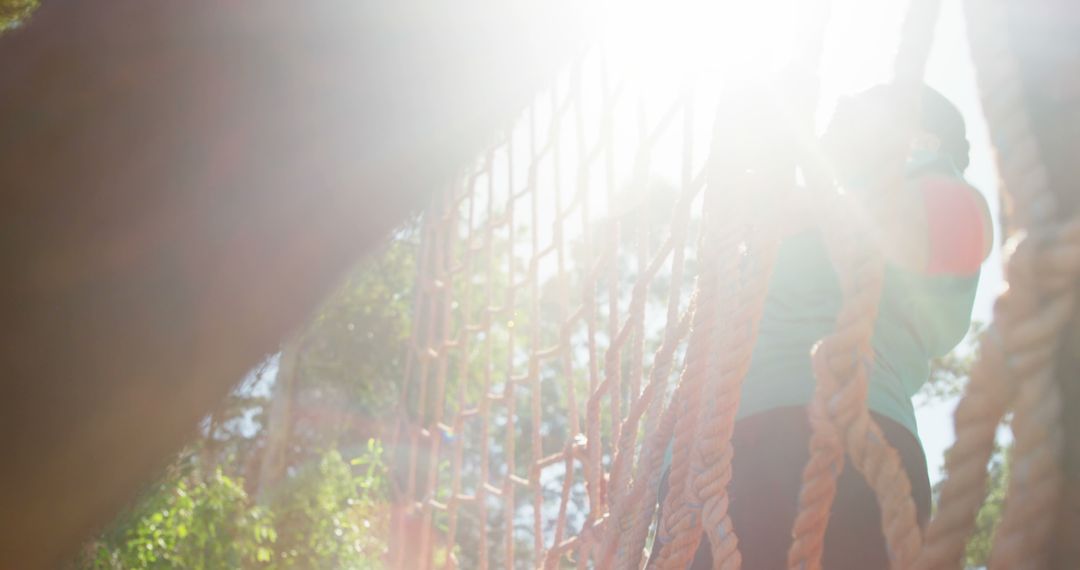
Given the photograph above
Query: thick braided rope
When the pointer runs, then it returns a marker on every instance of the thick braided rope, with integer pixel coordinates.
(1067, 550)
(713, 463)
(755, 222)
(634, 513)
(744, 259)
(708, 442)
(711, 470)
(840, 420)
(663, 361)
(645, 487)
(681, 517)
(977, 417)
(870, 453)
(1001, 95)
(629, 503)
(1033, 491)
(841, 365)
(1016, 355)
(1035, 473)
(675, 331)
(916, 39)
(711, 456)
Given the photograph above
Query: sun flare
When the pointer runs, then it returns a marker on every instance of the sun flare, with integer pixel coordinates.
(726, 43)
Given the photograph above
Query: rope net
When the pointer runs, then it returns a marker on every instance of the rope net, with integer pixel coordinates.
(588, 296)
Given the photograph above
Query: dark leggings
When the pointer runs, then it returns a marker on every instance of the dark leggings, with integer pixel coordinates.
(771, 449)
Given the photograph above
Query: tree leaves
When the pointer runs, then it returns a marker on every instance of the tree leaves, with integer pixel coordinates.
(322, 519)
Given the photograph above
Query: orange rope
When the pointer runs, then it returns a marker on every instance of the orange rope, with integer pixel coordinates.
(1016, 359)
(838, 414)
(634, 512)
(1033, 313)
(842, 362)
(681, 517)
(712, 464)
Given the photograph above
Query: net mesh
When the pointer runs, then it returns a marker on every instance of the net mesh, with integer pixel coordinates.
(549, 280)
(588, 295)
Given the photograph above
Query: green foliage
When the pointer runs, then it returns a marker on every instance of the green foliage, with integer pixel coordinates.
(13, 12)
(352, 353)
(191, 523)
(355, 342)
(978, 549)
(327, 517)
(977, 554)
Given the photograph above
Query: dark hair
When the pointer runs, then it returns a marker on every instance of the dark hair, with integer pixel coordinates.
(943, 119)
(939, 117)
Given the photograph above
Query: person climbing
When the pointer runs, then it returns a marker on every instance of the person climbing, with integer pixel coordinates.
(934, 231)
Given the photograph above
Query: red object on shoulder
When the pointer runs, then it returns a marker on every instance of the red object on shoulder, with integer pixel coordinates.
(956, 224)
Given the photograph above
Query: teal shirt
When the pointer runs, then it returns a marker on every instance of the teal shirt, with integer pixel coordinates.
(920, 317)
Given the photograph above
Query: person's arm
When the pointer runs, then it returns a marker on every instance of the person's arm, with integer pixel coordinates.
(959, 230)
(934, 225)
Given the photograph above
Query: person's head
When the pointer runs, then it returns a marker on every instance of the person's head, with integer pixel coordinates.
(866, 131)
